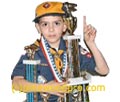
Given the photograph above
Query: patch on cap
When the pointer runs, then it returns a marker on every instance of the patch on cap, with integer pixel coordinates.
(46, 5)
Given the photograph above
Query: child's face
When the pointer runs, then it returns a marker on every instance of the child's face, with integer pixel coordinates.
(52, 28)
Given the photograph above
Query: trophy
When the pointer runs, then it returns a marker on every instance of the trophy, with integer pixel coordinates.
(76, 77)
(31, 74)
(31, 71)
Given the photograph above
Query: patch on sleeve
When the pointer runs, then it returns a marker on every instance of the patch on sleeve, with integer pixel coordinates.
(85, 52)
(89, 55)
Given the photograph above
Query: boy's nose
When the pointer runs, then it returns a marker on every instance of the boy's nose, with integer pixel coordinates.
(51, 28)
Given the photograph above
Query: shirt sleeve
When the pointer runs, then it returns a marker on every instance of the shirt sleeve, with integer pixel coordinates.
(87, 62)
(19, 69)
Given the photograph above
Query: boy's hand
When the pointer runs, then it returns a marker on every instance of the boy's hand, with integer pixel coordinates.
(56, 88)
(89, 32)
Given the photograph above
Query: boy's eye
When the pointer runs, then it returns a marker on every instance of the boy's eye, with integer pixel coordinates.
(44, 24)
(57, 23)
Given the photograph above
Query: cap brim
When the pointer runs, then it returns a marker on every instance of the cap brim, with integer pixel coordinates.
(36, 20)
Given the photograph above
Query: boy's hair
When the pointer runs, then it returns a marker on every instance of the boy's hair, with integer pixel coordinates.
(49, 8)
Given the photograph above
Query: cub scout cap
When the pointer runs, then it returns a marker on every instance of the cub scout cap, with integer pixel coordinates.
(48, 8)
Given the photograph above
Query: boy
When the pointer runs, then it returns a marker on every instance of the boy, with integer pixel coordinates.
(50, 24)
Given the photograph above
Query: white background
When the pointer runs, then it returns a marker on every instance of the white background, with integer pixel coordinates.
(17, 30)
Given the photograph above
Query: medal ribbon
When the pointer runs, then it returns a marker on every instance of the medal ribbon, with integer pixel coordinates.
(58, 67)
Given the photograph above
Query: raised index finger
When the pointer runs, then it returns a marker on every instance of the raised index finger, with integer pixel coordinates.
(84, 21)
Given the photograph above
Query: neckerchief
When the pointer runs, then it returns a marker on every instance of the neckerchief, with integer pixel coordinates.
(57, 59)
(46, 50)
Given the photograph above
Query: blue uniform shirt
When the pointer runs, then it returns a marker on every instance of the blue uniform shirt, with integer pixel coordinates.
(86, 63)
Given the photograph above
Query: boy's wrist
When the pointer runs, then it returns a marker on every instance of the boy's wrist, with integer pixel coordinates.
(91, 45)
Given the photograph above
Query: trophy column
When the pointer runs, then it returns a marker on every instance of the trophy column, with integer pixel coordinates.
(72, 43)
(31, 75)
(31, 71)
(78, 79)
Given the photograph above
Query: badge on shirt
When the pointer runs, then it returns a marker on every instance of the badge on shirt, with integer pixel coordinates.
(85, 52)
(43, 64)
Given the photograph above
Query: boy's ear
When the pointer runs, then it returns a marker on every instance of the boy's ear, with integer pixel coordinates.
(65, 28)
(37, 27)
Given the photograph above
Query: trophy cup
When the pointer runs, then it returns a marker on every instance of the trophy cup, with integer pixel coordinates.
(75, 77)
